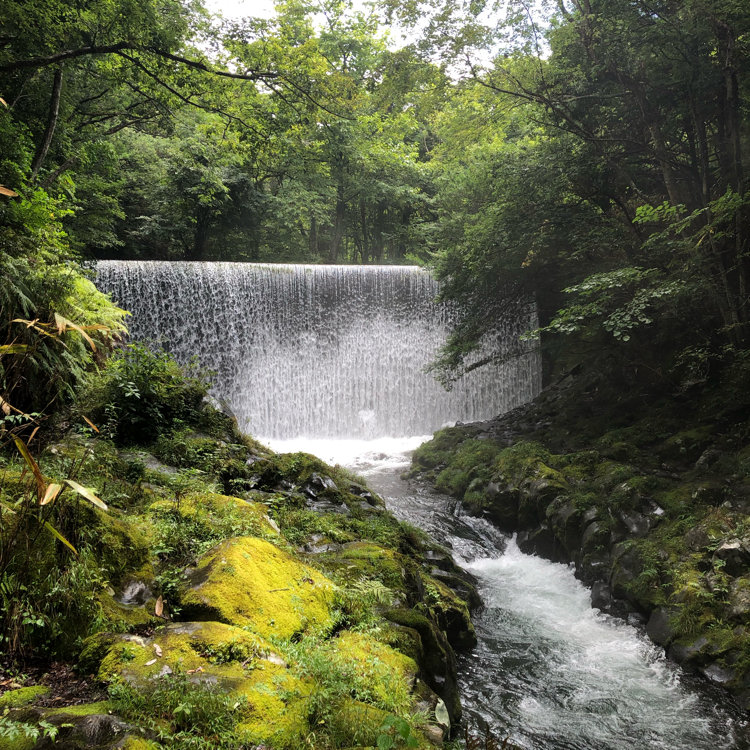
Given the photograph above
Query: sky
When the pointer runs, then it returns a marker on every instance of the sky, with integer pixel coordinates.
(240, 8)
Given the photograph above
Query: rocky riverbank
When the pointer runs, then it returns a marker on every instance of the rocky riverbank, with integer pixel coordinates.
(238, 598)
(648, 494)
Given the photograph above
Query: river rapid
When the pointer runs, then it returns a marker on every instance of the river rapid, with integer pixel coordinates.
(549, 672)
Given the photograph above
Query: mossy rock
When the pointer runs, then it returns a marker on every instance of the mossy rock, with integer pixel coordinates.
(385, 674)
(357, 560)
(120, 542)
(89, 725)
(686, 446)
(22, 696)
(451, 613)
(278, 710)
(211, 508)
(242, 663)
(122, 617)
(438, 663)
(212, 651)
(253, 584)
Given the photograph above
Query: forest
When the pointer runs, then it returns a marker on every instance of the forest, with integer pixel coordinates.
(590, 155)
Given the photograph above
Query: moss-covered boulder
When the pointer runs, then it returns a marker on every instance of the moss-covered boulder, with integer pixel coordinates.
(209, 651)
(435, 658)
(253, 584)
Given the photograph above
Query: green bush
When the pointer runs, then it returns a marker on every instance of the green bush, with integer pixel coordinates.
(182, 713)
(141, 393)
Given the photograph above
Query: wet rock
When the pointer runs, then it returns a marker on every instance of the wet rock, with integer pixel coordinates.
(440, 559)
(601, 595)
(318, 484)
(739, 599)
(686, 652)
(319, 544)
(135, 594)
(328, 506)
(659, 628)
(708, 458)
(718, 674)
(636, 524)
(735, 554)
(364, 493)
(626, 567)
(541, 542)
(436, 659)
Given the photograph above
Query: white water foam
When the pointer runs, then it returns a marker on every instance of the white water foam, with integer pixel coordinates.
(321, 351)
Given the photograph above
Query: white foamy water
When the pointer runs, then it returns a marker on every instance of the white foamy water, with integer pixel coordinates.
(320, 351)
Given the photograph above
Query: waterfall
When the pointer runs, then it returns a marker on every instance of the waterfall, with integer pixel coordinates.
(318, 351)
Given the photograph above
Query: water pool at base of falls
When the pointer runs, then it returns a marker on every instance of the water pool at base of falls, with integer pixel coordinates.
(549, 671)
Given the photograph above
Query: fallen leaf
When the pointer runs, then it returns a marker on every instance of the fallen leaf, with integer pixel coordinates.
(149, 663)
(157, 648)
(159, 607)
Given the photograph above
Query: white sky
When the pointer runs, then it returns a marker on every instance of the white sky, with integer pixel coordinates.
(242, 8)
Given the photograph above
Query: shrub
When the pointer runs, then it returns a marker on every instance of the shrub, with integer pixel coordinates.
(141, 393)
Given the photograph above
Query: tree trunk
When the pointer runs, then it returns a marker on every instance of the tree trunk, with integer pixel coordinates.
(54, 112)
(338, 226)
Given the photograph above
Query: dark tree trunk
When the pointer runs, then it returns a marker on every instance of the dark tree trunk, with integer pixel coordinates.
(54, 112)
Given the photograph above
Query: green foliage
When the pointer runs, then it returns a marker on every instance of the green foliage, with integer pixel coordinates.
(141, 393)
(180, 712)
(396, 732)
(14, 731)
(39, 280)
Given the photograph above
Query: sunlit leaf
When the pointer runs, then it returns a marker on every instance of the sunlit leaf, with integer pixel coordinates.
(13, 348)
(3, 102)
(87, 493)
(63, 324)
(7, 191)
(91, 424)
(159, 607)
(55, 533)
(52, 491)
(32, 464)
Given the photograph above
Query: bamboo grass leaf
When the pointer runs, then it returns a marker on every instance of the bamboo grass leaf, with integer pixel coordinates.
(51, 493)
(32, 464)
(55, 533)
(86, 493)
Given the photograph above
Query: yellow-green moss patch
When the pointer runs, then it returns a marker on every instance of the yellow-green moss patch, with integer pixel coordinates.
(251, 583)
(22, 696)
(382, 675)
(209, 650)
(208, 507)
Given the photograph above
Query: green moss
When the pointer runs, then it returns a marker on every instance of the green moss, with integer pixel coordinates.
(450, 612)
(211, 650)
(358, 560)
(121, 617)
(22, 696)
(440, 449)
(277, 712)
(382, 675)
(472, 462)
(84, 709)
(251, 583)
(137, 743)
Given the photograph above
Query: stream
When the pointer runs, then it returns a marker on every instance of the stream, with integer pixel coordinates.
(549, 672)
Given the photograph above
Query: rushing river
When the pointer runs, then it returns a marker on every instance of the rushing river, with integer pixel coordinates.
(549, 672)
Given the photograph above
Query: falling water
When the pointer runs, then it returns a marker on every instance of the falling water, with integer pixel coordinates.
(318, 351)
